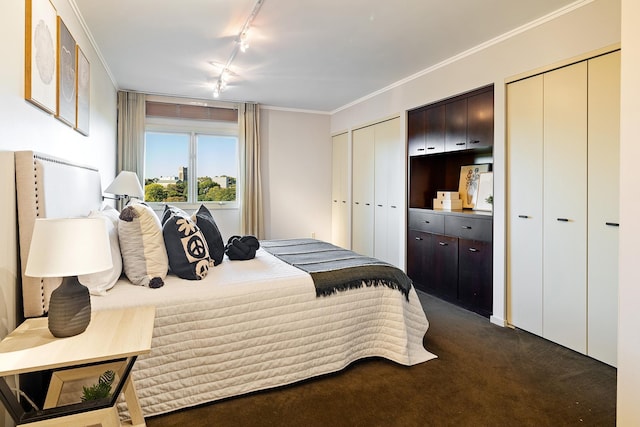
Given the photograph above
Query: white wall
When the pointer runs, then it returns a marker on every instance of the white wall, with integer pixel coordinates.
(592, 26)
(629, 286)
(26, 127)
(296, 170)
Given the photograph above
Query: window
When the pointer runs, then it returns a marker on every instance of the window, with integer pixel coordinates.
(191, 161)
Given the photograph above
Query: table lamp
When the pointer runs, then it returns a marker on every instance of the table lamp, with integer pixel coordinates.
(126, 185)
(68, 247)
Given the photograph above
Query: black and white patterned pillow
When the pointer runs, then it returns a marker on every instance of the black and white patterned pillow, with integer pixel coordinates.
(209, 228)
(186, 246)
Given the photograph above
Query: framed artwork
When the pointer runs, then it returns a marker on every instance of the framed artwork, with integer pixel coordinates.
(66, 99)
(485, 192)
(40, 68)
(468, 187)
(83, 90)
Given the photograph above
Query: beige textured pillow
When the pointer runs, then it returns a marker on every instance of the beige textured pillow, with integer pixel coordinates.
(144, 255)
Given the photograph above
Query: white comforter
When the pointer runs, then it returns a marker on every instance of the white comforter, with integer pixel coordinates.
(252, 325)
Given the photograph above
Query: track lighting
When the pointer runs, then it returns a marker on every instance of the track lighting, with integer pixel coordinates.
(242, 44)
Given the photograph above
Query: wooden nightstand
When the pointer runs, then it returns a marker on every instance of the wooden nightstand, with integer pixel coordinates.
(113, 340)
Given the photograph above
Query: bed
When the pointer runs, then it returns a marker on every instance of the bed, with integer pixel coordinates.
(247, 326)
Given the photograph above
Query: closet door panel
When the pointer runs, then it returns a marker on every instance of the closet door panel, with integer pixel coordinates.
(603, 166)
(524, 231)
(389, 190)
(362, 222)
(340, 191)
(565, 206)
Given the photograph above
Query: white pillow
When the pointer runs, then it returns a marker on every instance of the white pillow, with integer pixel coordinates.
(100, 283)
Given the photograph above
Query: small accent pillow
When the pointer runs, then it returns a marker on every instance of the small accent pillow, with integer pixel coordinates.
(144, 255)
(186, 246)
(242, 248)
(99, 283)
(204, 220)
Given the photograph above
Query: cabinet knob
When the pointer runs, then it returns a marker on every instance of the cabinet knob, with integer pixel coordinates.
(420, 149)
(393, 206)
(563, 219)
(473, 250)
(461, 143)
(335, 201)
(475, 141)
(466, 227)
(379, 206)
(431, 148)
(612, 224)
(344, 201)
(443, 243)
(368, 204)
(427, 222)
(418, 238)
(357, 203)
(523, 216)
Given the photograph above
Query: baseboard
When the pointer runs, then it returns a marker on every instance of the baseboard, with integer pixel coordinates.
(498, 321)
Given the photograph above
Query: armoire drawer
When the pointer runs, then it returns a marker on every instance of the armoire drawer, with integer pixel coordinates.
(420, 220)
(469, 227)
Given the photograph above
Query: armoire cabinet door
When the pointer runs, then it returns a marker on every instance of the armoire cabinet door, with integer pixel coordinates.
(340, 192)
(524, 199)
(604, 167)
(565, 207)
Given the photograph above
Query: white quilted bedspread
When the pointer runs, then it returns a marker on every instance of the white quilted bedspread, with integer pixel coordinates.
(252, 325)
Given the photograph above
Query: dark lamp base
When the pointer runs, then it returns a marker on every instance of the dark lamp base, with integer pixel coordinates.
(69, 308)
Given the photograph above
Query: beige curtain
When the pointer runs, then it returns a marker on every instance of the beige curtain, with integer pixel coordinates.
(131, 118)
(251, 218)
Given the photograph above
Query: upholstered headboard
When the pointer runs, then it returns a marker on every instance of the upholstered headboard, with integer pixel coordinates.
(49, 187)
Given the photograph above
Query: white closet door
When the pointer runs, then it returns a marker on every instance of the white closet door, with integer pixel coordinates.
(362, 223)
(340, 192)
(604, 167)
(525, 156)
(565, 207)
(389, 181)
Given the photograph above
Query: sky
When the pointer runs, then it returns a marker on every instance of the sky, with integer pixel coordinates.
(166, 152)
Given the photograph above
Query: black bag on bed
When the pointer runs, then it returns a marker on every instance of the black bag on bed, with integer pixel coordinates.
(241, 248)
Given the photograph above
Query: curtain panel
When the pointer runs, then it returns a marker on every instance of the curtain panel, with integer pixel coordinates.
(251, 214)
(131, 123)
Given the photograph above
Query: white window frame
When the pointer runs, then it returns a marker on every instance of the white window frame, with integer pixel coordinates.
(194, 128)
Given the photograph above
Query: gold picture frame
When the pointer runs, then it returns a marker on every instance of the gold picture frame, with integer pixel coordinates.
(40, 70)
(83, 92)
(66, 94)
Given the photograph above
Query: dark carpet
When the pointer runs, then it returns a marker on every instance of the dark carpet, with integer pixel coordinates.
(485, 375)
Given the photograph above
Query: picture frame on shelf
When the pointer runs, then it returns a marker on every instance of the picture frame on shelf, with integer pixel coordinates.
(485, 192)
(83, 91)
(468, 186)
(41, 65)
(66, 95)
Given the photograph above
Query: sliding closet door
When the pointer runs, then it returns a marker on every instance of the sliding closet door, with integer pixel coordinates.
(565, 207)
(524, 157)
(604, 189)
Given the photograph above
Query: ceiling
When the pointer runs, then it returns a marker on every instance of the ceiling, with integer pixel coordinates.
(317, 55)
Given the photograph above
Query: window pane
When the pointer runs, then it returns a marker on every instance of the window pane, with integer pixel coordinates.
(165, 171)
(217, 167)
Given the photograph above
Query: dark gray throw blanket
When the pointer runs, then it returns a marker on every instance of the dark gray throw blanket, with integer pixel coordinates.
(336, 269)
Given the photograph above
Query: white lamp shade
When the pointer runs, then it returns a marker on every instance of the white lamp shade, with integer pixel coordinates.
(126, 184)
(64, 247)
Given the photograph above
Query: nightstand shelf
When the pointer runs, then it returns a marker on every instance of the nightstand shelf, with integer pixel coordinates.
(112, 341)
